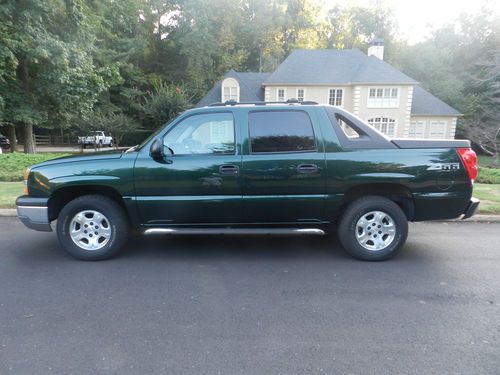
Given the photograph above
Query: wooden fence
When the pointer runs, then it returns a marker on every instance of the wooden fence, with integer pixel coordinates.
(48, 140)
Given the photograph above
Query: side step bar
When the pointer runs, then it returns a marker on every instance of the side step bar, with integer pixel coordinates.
(237, 231)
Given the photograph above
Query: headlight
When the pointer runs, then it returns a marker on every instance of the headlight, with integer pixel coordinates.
(26, 176)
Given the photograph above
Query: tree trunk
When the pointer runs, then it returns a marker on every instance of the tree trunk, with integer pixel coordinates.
(24, 77)
(29, 144)
(11, 134)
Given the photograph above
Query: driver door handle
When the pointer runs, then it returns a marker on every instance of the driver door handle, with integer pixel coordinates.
(229, 169)
(307, 168)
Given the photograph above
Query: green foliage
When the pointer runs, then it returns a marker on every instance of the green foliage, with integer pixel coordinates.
(166, 102)
(355, 27)
(482, 120)
(488, 175)
(486, 161)
(117, 124)
(14, 165)
(460, 64)
(97, 64)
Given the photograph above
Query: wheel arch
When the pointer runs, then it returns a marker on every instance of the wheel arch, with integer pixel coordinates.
(64, 195)
(398, 193)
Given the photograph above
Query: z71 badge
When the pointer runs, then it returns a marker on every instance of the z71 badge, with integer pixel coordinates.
(443, 166)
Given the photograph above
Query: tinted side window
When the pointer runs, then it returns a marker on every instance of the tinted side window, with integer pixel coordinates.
(280, 131)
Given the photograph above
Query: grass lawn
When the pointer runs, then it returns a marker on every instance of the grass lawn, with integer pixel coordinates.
(14, 165)
(9, 191)
(489, 194)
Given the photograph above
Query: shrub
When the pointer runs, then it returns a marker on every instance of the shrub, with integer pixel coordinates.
(488, 175)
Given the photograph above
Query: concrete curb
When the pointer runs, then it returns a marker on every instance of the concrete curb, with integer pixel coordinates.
(11, 212)
(8, 212)
(476, 219)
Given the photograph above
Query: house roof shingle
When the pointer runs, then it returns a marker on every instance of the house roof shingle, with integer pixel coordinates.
(331, 66)
(424, 103)
(326, 67)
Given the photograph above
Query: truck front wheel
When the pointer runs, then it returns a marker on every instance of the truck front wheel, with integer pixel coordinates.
(373, 228)
(92, 227)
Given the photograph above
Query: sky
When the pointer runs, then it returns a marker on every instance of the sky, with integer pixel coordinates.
(417, 18)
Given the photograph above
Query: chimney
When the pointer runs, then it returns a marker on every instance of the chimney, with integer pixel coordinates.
(376, 48)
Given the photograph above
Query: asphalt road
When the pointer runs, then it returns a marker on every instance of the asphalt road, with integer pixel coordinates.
(252, 305)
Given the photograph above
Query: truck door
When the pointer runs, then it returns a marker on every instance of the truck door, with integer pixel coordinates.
(198, 181)
(283, 173)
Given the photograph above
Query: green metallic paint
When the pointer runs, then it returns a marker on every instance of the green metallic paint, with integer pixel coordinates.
(189, 190)
(181, 189)
(273, 189)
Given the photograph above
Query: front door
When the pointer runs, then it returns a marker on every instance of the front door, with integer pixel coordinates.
(197, 182)
(283, 174)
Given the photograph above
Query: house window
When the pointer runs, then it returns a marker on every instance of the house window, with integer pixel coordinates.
(300, 94)
(385, 125)
(230, 90)
(335, 97)
(383, 97)
(438, 129)
(280, 95)
(230, 93)
(417, 129)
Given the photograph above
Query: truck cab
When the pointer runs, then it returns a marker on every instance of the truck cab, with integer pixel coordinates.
(285, 168)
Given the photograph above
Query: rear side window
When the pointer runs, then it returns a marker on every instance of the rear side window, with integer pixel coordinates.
(280, 131)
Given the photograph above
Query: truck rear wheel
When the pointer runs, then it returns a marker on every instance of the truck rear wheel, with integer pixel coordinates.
(92, 227)
(373, 228)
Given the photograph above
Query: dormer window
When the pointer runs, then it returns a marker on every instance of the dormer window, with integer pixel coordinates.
(230, 90)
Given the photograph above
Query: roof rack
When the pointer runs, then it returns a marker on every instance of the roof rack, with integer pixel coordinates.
(234, 102)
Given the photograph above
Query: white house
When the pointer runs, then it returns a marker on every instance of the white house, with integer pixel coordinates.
(363, 84)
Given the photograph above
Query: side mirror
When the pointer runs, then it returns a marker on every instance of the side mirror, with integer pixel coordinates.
(156, 150)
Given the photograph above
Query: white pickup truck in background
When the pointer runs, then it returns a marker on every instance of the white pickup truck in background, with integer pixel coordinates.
(96, 139)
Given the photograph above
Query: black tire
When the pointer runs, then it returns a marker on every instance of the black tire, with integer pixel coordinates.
(114, 214)
(347, 228)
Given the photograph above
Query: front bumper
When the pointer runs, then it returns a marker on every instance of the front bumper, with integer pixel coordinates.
(34, 213)
(471, 208)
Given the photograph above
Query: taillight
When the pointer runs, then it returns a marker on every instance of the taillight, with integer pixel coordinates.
(26, 176)
(469, 159)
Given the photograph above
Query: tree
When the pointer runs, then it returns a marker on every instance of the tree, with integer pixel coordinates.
(165, 103)
(355, 27)
(55, 78)
(482, 121)
(117, 124)
(209, 34)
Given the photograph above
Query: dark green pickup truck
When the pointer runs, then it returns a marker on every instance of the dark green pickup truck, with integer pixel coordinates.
(287, 168)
